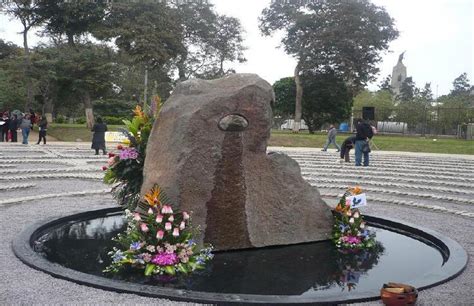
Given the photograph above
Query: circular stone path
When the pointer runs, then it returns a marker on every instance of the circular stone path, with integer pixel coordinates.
(38, 182)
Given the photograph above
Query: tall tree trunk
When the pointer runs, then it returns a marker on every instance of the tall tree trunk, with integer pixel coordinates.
(48, 109)
(28, 82)
(145, 90)
(298, 101)
(221, 69)
(86, 100)
(182, 67)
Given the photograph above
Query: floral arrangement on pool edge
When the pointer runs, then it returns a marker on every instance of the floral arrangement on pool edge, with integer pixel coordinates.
(350, 231)
(125, 169)
(158, 242)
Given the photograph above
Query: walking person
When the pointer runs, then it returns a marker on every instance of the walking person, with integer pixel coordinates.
(364, 134)
(43, 126)
(346, 147)
(12, 127)
(332, 132)
(98, 139)
(25, 127)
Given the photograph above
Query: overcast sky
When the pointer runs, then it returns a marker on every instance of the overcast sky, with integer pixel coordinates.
(437, 36)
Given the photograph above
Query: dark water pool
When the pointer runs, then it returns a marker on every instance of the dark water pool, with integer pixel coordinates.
(298, 270)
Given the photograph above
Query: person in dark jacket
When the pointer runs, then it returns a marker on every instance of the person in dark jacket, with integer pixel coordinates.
(4, 127)
(43, 127)
(33, 118)
(364, 134)
(346, 147)
(13, 126)
(98, 139)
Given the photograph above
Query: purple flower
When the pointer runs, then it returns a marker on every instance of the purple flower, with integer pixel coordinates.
(165, 259)
(118, 256)
(128, 153)
(135, 246)
(343, 227)
(351, 239)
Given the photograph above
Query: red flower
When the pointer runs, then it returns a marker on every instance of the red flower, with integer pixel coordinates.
(111, 155)
(119, 147)
(104, 168)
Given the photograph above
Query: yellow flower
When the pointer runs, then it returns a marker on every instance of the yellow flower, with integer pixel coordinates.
(138, 112)
(355, 190)
(153, 197)
(342, 208)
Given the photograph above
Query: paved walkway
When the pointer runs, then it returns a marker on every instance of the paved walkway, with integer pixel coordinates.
(37, 182)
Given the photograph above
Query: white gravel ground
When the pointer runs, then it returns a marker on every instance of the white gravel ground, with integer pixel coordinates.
(21, 285)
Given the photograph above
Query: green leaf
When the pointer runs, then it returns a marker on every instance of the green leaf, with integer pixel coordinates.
(149, 269)
(182, 268)
(170, 270)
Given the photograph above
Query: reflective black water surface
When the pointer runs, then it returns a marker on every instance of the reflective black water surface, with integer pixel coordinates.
(299, 270)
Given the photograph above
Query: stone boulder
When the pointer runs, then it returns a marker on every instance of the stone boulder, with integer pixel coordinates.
(208, 153)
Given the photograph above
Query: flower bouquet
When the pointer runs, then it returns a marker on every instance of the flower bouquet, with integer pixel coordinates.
(158, 242)
(350, 232)
(125, 169)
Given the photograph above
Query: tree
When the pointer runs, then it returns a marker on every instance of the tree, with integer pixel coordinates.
(225, 45)
(343, 36)
(12, 81)
(62, 73)
(461, 85)
(386, 84)
(453, 111)
(8, 50)
(426, 94)
(27, 12)
(147, 32)
(196, 23)
(408, 91)
(382, 100)
(285, 93)
(326, 99)
(73, 20)
(45, 71)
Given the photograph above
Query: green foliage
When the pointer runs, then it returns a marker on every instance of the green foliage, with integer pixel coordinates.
(382, 100)
(461, 86)
(285, 93)
(12, 88)
(61, 119)
(113, 120)
(326, 99)
(113, 107)
(408, 90)
(347, 36)
(134, 27)
(80, 120)
(71, 18)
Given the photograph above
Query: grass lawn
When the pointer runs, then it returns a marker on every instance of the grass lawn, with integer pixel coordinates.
(383, 142)
(73, 132)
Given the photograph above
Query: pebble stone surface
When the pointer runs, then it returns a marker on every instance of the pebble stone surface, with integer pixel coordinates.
(434, 191)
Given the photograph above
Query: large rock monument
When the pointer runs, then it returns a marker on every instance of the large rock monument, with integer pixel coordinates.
(208, 153)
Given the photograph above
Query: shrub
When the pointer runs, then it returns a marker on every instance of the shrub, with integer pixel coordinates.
(60, 119)
(80, 120)
(113, 120)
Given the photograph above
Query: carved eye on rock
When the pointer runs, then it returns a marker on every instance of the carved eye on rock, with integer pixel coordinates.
(233, 123)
